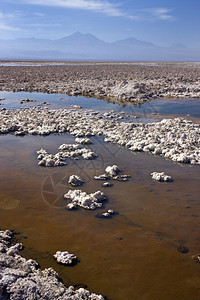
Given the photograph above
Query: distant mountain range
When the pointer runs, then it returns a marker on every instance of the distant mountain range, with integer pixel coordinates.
(80, 46)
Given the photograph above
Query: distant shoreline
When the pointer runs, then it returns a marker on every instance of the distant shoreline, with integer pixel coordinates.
(28, 61)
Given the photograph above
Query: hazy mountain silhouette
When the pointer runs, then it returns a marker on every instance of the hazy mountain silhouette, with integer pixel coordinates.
(80, 46)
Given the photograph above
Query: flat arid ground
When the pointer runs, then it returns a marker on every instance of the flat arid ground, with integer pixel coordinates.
(135, 233)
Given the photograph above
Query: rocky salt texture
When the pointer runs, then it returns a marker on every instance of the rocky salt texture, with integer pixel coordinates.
(84, 200)
(112, 172)
(64, 257)
(161, 176)
(75, 180)
(67, 151)
(49, 160)
(118, 82)
(108, 213)
(22, 279)
(83, 141)
(107, 184)
(176, 139)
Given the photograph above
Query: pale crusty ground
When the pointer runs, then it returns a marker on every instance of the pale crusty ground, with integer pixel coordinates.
(117, 82)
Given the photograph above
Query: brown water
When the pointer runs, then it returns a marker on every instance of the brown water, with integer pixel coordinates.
(131, 256)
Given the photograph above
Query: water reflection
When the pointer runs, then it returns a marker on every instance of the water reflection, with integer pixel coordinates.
(178, 107)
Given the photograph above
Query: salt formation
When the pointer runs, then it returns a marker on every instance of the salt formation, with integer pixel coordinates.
(76, 106)
(161, 176)
(112, 172)
(176, 139)
(121, 83)
(196, 258)
(106, 184)
(27, 101)
(83, 141)
(49, 160)
(69, 147)
(101, 177)
(82, 199)
(75, 180)
(22, 279)
(108, 213)
(64, 257)
(75, 151)
(67, 151)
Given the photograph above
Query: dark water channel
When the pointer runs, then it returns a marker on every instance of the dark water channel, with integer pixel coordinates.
(131, 256)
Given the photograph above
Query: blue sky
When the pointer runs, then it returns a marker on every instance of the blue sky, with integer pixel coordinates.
(162, 22)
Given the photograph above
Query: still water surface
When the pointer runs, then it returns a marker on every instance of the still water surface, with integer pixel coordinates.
(131, 256)
(177, 107)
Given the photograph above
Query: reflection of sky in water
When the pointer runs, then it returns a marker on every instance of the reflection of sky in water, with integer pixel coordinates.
(161, 106)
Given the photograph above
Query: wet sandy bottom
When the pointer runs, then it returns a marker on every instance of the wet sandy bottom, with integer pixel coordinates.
(131, 256)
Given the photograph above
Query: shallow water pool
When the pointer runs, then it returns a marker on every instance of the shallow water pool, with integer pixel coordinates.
(181, 107)
(134, 255)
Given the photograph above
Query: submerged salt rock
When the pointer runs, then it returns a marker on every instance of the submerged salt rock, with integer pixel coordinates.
(64, 257)
(69, 147)
(106, 214)
(87, 201)
(101, 177)
(83, 141)
(41, 151)
(76, 106)
(75, 180)
(107, 184)
(89, 155)
(196, 258)
(161, 176)
(71, 206)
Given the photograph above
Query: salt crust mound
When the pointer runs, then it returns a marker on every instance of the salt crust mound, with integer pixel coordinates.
(112, 172)
(84, 200)
(64, 257)
(75, 180)
(161, 176)
(176, 139)
(22, 279)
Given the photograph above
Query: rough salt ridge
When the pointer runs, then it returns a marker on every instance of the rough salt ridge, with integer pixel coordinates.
(176, 139)
(22, 279)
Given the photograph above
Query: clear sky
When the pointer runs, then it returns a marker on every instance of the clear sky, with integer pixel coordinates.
(163, 22)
